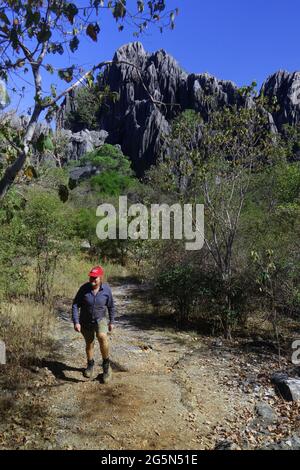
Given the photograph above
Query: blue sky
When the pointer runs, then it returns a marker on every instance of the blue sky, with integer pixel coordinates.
(238, 40)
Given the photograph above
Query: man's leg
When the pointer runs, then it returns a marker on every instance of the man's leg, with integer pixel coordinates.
(89, 336)
(104, 348)
(89, 349)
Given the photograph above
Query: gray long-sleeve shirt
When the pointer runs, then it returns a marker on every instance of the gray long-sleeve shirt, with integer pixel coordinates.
(92, 307)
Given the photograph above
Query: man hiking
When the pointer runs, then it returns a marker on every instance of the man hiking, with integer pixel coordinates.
(92, 299)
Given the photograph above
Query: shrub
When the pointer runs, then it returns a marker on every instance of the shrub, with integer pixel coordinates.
(25, 327)
(111, 182)
(180, 285)
(44, 235)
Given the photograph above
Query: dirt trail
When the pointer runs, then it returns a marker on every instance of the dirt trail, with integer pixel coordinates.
(166, 392)
(170, 390)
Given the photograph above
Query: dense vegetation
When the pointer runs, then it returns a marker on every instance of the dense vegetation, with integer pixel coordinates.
(248, 270)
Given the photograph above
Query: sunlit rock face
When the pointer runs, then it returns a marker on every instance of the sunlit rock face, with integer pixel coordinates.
(139, 125)
(135, 121)
(285, 87)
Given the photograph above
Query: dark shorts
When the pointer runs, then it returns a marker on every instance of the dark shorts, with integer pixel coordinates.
(89, 331)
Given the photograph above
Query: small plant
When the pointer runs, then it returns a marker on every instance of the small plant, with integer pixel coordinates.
(180, 285)
(266, 280)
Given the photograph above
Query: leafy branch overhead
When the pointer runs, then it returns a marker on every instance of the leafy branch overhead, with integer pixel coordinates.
(33, 32)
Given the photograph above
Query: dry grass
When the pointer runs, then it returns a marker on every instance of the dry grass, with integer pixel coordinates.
(73, 271)
(259, 324)
(25, 327)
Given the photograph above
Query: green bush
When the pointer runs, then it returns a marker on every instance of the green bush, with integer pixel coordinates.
(111, 182)
(115, 174)
(89, 104)
(107, 158)
(12, 259)
(44, 233)
(180, 285)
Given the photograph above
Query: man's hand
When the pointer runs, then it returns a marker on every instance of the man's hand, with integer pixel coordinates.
(110, 326)
(77, 327)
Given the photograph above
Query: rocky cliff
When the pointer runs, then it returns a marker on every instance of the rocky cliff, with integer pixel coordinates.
(286, 88)
(138, 125)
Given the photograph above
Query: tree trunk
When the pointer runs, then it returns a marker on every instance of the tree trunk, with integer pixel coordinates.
(11, 174)
(14, 169)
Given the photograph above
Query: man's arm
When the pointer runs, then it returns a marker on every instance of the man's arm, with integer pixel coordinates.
(111, 307)
(75, 308)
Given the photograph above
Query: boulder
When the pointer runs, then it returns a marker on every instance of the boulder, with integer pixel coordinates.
(287, 387)
(265, 413)
(79, 143)
(85, 245)
(80, 173)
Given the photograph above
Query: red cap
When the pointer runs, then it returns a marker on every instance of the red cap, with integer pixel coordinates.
(96, 271)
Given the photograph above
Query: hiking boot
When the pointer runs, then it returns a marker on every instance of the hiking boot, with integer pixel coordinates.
(88, 372)
(107, 372)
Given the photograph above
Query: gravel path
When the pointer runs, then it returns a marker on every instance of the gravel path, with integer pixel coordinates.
(164, 394)
(170, 390)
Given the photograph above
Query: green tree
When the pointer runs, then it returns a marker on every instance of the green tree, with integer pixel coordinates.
(45, 233)
(216, 170)
(115, 175)
(235, 143)
(33, 31)
(267, 279)
(12, 260)
(88, 104)
(85, 222)
(180, 284)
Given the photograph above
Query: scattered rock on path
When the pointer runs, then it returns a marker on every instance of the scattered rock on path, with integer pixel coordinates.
(266, 413)
(225, 445)
(287, 387)
(292, 443)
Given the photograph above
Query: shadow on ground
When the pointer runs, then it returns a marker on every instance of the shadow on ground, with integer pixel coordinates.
(58, 369)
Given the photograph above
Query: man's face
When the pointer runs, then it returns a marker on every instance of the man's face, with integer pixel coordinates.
(95, 281)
